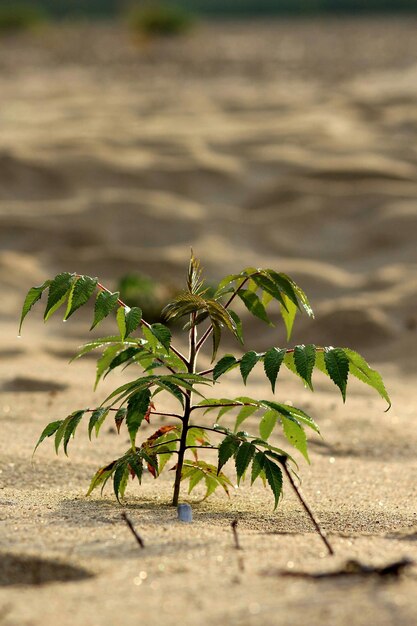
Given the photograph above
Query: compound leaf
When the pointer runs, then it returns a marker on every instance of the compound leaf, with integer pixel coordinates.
(48, 431)
(58, 291)
(163, 335)
(253, 304)
(227, 449)
(104, 304)
(359, 368)
(224, 365)
(243, 457)
(272, 363)
(137, 408)
(337, 365)
(34, 294)
(247, 363)
(81, 291)
(274, 477)
(133, 317)
(304, 359)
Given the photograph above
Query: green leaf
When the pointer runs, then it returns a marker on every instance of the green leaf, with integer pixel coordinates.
(71, 427)
(291, 411)
(247, 363)
(269, 287)
(104, 362)
(61, 432)
(136, 465)
(253, 304)
(171, 388)
(137, 407)
(59, 288)
(274, 477)
(288, 313)
(285, 285)
(96, 420)
(267, 423)
(163, 334)
(224, 365)
(101, 476)
(48, 431)
(243, 414)
(304, 359)
(81, 291)
(195, 477)
(133, 318)
(272, 363)
(120, 479)
(217, 335)
(227, 449)
(295, 434)
(257, 466)
(34, 294)
(238, 326)
(105, 303)
(123, 357)
(359, 367)
(121, 321)
(337, 365)
(243, 458)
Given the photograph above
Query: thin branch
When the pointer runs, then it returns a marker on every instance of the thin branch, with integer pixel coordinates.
(132, 529)
(307, 509)
(163, 443)
(145, 323)
(164, 414)
(201, 447)
(216, 406)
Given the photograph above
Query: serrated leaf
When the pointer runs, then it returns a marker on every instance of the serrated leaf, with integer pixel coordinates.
(272, 363)
(104, 361)
(257, 466)
(247, 363)
(71, 427)
(121, 321)
(137, 408)
(243, 458)
(359, 368)
(292, 411)
(267, 423)
(216, 336)
(226, 450)
(243, 414)
(60, 433)
(101, 476)
(274, 477)
(104, 305)
(337, 365)
(34, 294)
(171, 388)
(59, 288)
(81, 291)
(224, 365)
(254, 305)
(96, 419)
(136, 467)
(48, 431)
(295, 434)
(133, 318)
(268, 285)
(288, 313)
(195, 477)
(304, 359)
(120, 479)
(123, 357)
(163, 335)
(120, 417)
(285, 285)
(238, 326)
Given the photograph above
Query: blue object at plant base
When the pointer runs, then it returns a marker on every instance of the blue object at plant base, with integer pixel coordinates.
(185, 513)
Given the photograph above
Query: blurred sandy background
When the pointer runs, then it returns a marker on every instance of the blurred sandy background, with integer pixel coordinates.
(283, 144)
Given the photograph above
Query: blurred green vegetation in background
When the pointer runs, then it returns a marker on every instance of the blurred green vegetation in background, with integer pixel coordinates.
(17, 16)
(232, 8)
(149, 295)
(158, 19)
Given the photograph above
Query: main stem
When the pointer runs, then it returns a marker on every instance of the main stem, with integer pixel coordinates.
(187, 412)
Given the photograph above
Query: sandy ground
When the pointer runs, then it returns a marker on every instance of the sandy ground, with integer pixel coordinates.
(288, 145)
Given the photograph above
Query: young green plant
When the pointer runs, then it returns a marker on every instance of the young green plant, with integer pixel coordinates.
(165, 370)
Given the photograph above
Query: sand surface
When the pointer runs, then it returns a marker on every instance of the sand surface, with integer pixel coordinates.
(287, 145)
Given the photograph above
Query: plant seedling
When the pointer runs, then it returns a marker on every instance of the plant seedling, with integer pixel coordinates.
(163, 369)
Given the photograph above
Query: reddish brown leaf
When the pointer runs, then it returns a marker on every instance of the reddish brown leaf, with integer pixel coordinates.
(148, 412)
(152, 470)
(161, 431)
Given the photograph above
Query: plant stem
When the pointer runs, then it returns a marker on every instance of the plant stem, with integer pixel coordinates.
(307, 509)
(187, 411)
(144, 323)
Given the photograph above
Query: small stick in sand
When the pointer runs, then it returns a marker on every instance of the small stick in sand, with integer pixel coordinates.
(133, 530)
(235, 534)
